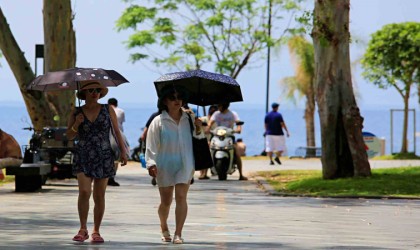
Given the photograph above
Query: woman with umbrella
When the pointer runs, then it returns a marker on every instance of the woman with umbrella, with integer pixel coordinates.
(93, 158)
(169, 157)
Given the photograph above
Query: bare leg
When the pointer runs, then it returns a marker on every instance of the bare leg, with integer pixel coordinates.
(270, 155)
(166, 196)
(181, 208)
(99, 188)
(85, 190)
(203, 173)
(239, 164)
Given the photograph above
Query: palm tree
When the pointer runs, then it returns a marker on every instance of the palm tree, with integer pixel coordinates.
(302, 84)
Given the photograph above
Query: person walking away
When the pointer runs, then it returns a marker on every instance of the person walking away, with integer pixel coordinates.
(143, 136)
(93, 156)
(274, 135)
(170, 158)
(227, 118)
(241, 147)
(10, 153)
(206, 119)
(121, 119)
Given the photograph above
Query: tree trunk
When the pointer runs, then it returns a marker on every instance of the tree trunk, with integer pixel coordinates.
(343, 148)
(309, 117)
(35, 101)
(404, 146)
(59, 53)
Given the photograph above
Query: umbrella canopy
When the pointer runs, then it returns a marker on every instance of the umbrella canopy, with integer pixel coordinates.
(70, 79)
(205, 88)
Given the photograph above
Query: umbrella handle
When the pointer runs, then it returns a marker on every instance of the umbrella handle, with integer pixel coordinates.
(78, 89)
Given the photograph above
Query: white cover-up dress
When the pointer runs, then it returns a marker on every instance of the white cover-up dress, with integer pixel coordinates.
(169, 147)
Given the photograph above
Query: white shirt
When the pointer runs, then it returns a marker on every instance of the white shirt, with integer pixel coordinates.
(227, 119)
(169, 147)
(120, 117)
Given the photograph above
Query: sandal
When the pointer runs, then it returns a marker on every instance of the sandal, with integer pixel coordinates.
(96, 238)
(178, 240)
(81, 236)
(166, 236)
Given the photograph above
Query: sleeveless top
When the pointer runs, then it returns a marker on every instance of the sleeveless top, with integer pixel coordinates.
(93, 154)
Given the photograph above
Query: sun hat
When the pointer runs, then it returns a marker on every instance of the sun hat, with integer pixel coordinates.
(275, 105)
(91, 85)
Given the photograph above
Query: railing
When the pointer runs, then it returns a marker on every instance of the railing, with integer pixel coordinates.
(307, 152)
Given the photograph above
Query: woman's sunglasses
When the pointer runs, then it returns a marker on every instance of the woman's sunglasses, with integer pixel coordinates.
(97, 90)
(175, 97)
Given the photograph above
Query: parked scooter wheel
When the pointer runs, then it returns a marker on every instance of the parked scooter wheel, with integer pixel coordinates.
(221, 168)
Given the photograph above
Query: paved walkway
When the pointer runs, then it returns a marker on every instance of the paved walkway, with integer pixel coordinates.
(222, 215)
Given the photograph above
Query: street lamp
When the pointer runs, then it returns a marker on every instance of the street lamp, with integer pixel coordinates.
(268, 57)
(39, 53)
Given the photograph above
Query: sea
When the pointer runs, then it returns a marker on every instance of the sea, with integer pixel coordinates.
(13, 118)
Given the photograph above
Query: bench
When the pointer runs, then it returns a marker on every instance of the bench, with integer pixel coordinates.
(29, 177)
(307, 152)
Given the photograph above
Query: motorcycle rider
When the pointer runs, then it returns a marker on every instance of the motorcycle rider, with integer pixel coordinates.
(227, 118)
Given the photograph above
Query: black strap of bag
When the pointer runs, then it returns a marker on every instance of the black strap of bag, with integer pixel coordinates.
(201, 150)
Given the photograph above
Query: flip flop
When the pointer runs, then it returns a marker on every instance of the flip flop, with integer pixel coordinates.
(178, 240)
(166, 236)
(81, 236)
(96, 238)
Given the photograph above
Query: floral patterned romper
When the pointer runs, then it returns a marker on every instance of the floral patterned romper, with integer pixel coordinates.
(93, 155)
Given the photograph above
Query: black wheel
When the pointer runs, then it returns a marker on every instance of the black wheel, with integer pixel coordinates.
(221, 167)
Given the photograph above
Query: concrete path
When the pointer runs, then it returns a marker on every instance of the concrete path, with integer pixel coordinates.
(222, 215)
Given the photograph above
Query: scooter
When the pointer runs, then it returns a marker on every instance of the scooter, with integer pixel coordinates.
(51, 145)
(222, 151)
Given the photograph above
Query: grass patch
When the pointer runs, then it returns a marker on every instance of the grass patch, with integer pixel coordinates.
(406, 156)
(390, 182)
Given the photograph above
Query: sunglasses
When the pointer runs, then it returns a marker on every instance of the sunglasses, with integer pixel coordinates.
(174, 97)
(97, 90)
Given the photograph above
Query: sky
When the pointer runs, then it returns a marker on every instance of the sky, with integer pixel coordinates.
(100, 45)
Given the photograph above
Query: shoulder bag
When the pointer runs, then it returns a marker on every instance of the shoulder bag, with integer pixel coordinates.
(114, 142)
(201, 150)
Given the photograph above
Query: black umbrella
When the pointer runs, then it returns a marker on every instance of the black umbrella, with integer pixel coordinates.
(205, 88)
(70, 79)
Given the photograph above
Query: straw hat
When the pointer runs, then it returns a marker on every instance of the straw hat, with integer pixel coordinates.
(91, 85)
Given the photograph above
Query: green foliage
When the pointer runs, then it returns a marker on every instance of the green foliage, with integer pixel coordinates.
(302, 53)
(392, 57)
(224, 33)
(392, 182)
(133, 15)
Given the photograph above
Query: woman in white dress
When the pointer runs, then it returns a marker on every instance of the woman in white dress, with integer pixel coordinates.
(170, 159)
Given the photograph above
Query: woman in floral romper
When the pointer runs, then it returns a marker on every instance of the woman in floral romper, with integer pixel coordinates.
(93, 158)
